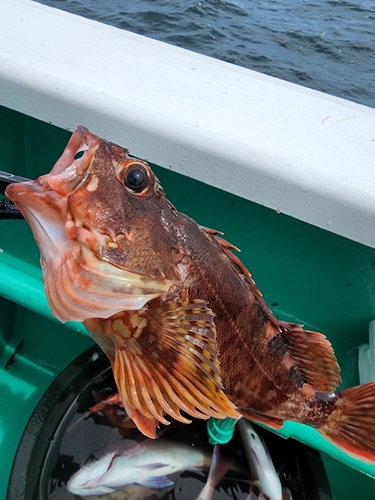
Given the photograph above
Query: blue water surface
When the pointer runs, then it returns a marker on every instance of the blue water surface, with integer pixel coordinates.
(328, 45)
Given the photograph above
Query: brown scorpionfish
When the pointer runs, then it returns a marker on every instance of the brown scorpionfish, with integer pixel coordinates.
(176, 312)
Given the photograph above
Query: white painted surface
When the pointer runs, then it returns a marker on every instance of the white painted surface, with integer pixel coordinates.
(299, 151)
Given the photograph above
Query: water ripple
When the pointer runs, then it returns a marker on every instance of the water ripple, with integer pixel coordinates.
(328, 45)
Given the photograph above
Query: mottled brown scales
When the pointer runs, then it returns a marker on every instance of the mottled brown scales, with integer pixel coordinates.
(176, 311)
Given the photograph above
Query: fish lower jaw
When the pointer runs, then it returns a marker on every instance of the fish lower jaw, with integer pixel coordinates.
(49, 236)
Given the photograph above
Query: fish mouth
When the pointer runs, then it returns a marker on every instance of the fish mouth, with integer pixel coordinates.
(42, 202)
(79, 285)
(66, 175)
(71, 170)
(44, 211)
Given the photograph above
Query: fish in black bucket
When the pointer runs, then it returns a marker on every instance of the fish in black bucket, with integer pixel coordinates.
(150, 463)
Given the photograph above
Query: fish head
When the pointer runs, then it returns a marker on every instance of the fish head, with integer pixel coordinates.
(86, 481)
(110, 244)
(99, 219)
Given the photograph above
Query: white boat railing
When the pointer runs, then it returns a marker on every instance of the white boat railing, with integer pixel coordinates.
(295, 150)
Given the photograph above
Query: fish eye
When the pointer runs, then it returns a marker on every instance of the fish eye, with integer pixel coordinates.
(134, 176)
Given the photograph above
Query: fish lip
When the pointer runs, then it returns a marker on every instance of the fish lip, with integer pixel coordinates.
(66, 176)
(47, 228)
(69, 172)
(81, 139)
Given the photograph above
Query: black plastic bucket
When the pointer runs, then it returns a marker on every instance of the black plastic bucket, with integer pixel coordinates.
(58, 440)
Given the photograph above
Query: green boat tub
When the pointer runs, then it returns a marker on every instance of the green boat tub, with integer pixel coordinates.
(306, 274)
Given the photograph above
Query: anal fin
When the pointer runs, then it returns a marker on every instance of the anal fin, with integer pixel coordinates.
(146, 425)
(270, 421)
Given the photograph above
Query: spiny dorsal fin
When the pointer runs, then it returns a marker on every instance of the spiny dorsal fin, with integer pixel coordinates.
(166, 360)
(227, 247)
(313, 356)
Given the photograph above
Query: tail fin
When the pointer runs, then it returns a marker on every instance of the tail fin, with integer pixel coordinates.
(351, 425)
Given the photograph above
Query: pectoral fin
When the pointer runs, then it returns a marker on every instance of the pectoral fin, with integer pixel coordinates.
(166, 360)
(156, 482)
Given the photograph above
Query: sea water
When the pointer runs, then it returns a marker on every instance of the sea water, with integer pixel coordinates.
(327, 45)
